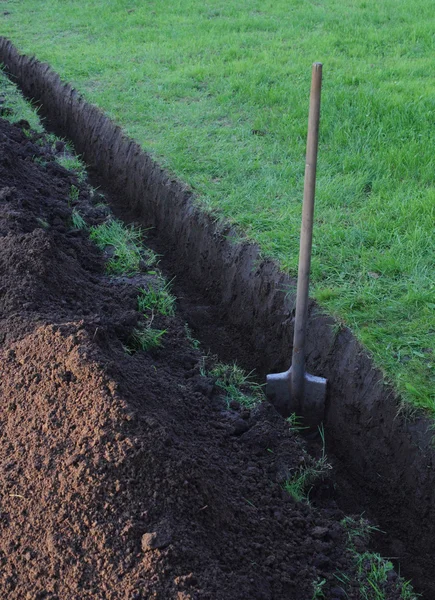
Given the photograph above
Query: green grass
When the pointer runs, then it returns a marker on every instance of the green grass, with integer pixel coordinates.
(73, 163)
(38, 160)
(372, 570)
(77, 220)
(157, 297)
(318, 589)
(13, 107)
(74, 193)
(218, 93)
(360, 528)
(295, 423)
(300, 484)
(145, 338)
(237, 385)
(125, 244)
(192, 340)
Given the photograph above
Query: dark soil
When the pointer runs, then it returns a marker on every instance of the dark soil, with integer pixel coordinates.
(127, 476)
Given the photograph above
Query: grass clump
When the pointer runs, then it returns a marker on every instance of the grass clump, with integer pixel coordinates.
(77, 220)
(73, 163)
(38, 160)
(74, 193)
(145, 338)
(373, 572)
(237, 385)
(300, 484)
(295, 423)
(189, 335)
(123, 244)
(318, 589)
(157, 298)
(357, 529)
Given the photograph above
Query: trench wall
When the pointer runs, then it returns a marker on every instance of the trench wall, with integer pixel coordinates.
(391, 456)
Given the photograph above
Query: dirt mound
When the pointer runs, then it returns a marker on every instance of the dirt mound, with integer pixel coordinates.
(128, 476)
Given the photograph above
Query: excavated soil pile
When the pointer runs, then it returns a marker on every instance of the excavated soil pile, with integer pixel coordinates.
(127, 476)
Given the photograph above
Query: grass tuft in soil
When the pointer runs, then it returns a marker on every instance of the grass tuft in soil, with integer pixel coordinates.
(123, 245)
(74, 194)
(295, 423)
(375, 574)
(318, 589)
(300, 484)
(157, 297)
(77, 220)
(238, 386)
(190, 337)
(145, 338)
(71, 162)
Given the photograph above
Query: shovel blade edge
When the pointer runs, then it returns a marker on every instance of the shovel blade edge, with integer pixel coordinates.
(312, 409)
(279, 393)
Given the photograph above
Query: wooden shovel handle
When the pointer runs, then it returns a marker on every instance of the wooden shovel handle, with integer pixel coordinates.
(298, 360)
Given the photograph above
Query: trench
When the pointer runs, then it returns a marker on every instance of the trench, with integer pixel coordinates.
(385, 463)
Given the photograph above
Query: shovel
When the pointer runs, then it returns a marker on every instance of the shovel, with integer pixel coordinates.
(296, 391)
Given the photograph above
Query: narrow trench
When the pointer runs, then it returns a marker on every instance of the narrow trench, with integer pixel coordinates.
(210, 325)
(209, 321)
(384, 466)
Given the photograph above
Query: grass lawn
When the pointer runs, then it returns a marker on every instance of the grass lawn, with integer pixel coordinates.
(218, 93)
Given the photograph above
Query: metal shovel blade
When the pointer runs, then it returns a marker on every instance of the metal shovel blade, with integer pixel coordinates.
(312, 406)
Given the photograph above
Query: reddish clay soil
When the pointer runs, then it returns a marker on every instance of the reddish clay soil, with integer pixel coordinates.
(127, 476)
